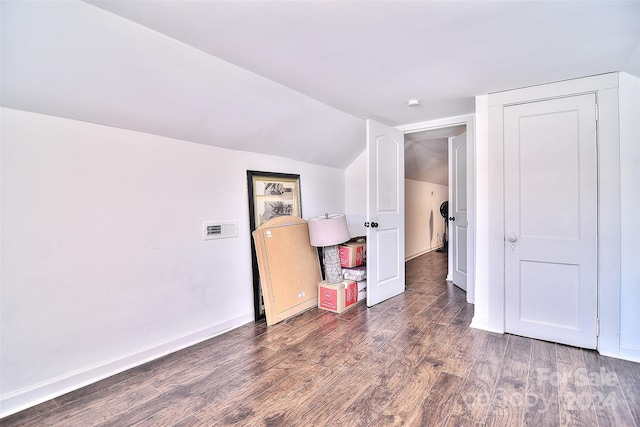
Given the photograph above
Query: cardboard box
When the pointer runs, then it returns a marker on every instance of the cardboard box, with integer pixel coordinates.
(352, 254)
(339, 297)
(362, 290)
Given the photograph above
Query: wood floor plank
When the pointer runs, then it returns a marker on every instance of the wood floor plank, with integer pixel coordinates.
(36, 415)
(421, 346)
(204, 389)
(459, 325)
(288, 411)
(474, 403)
(422, 301)
(249, 405)
(608, 399)
(366, 407)
(448, 313)
(419, 322)
(437, 406)
(300, 332)
(401, 408)
(465, 352)
(540, 412)
(576, 403)
(236, 359)
(191, 421)
(458, 421)
(343, 393)
(338, 337)
(109, 406)
(228, 399)
(543, 371)
(628, 374)
(368, 341)
(507, 407)
(411, 360)
(403, 339)
(430, 312)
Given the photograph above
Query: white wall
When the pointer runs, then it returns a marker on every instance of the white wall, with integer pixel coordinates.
(422, 220)
(482, 189)
(103, 262)
(629, 98)
(355, 177)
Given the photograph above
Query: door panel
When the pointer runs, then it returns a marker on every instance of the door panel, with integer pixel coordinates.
(551, 220)
(458, 225)
(387, 244)
(541, 279)
(385, 212)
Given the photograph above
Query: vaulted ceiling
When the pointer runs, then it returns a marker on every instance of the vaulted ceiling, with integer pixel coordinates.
(297, 79)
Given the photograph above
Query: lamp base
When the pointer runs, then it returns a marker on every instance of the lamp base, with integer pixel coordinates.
(332, 269)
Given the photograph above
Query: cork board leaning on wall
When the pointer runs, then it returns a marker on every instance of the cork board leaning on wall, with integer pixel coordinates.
(289, 267)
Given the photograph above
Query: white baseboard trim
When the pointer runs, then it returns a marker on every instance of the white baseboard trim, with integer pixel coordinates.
(483, 324)
(630, 358)
(33, 395)
(631, 353)
(410, 257)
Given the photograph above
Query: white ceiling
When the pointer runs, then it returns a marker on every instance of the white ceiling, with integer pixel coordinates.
(427, 154)
(296, 79)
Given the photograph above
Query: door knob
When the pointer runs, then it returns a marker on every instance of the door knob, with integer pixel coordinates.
(366, 224)
(513, 238)
(452, 218)
(374, 224)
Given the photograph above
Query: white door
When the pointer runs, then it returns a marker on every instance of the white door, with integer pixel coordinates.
(385, 212)
(551, 220)
(458, 211)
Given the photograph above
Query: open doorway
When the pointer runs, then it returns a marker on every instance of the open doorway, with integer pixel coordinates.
(436, 169)
(427, 189)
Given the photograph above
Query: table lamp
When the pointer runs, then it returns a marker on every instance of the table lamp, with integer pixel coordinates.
(328, 231)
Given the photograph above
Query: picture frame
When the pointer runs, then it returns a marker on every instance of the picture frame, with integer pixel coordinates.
(271, 194)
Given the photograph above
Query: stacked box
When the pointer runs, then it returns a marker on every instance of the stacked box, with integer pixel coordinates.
(355, 273)
(337, 297)
(352, 254)
(362, 290)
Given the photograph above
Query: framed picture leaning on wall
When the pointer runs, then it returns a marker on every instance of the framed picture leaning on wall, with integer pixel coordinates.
(271, 195)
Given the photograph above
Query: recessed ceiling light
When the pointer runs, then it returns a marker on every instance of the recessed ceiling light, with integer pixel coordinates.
(413, 102)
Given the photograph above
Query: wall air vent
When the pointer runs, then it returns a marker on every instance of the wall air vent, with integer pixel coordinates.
(220, 230)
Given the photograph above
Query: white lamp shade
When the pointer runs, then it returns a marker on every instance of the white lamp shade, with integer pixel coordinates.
(328, 230)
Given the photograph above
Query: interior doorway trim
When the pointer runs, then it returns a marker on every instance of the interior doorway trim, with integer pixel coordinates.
(469, 121)
(491, 289)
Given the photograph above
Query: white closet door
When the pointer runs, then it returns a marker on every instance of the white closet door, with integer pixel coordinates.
(551, 220)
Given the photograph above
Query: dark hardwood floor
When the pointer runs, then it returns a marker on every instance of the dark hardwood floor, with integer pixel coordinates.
(411, 360)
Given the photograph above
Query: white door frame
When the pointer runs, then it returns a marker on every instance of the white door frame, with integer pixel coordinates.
(490, 314)
(468, 121)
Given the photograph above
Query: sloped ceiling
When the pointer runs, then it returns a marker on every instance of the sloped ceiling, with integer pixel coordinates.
(296, 79)
(427, 154)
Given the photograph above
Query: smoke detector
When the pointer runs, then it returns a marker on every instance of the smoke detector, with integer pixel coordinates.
(413, 102)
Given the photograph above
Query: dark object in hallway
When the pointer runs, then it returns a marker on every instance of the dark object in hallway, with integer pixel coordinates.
(444, 211)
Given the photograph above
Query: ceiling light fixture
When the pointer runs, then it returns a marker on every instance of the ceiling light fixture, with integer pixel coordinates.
(413, 102)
